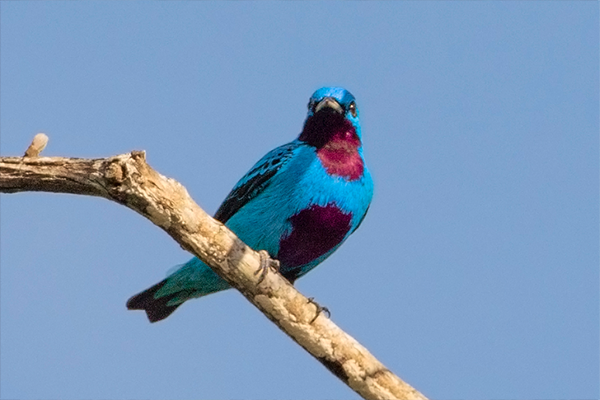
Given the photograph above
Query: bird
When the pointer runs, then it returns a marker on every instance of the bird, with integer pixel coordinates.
(298, 203)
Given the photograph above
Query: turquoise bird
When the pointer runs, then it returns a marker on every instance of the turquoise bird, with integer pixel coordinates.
(299, 203)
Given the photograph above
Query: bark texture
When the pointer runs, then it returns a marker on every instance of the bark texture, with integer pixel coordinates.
(128, 180)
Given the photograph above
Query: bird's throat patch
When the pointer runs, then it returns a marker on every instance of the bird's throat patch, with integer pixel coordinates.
(336, 142)
(340, 157)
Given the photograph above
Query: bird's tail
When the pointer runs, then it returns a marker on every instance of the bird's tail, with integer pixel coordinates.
(190, 280)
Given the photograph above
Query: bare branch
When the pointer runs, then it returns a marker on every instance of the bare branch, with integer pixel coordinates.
(128, 180)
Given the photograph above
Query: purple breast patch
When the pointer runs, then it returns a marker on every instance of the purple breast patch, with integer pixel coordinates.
(315, 231)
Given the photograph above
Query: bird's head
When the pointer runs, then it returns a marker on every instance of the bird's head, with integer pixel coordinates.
(332, 114)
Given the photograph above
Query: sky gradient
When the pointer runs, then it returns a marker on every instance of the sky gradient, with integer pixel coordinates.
(474, 276)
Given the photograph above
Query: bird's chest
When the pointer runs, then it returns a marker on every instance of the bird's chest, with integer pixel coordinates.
(322, 211)
(304, 213)
(314, 231)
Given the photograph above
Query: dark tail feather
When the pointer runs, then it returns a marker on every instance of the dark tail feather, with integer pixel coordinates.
(156, 309)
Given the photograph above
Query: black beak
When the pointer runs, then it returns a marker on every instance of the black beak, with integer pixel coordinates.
(329, 103)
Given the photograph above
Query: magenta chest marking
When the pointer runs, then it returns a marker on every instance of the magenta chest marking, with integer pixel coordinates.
(315, 231)
(340, 156)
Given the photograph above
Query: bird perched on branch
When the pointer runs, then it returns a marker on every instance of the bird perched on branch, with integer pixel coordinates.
(299, 203)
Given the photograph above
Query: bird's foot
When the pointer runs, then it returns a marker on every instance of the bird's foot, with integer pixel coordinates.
(266, 262)
(320, 309)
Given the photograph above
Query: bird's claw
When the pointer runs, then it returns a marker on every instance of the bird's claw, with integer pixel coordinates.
(266, 262)
(320, 309)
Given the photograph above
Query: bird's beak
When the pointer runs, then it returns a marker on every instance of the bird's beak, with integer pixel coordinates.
(329, 102)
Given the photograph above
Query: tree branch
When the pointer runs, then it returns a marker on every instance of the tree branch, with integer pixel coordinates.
(128, 180)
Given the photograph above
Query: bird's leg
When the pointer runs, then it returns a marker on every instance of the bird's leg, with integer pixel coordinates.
(320, 309)
(266, 262)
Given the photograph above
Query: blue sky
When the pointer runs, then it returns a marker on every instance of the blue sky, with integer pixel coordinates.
(474, 275)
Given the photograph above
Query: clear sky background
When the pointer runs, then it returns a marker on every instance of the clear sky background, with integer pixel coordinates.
(474, 275)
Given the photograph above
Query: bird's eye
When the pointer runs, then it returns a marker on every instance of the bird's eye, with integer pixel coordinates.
(352, 108)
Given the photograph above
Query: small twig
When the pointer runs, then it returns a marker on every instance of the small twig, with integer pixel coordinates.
(37, 145)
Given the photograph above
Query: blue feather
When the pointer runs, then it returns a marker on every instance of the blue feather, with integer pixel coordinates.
(300, 202)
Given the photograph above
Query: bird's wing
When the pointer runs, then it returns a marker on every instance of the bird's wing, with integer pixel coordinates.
(256, 180)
